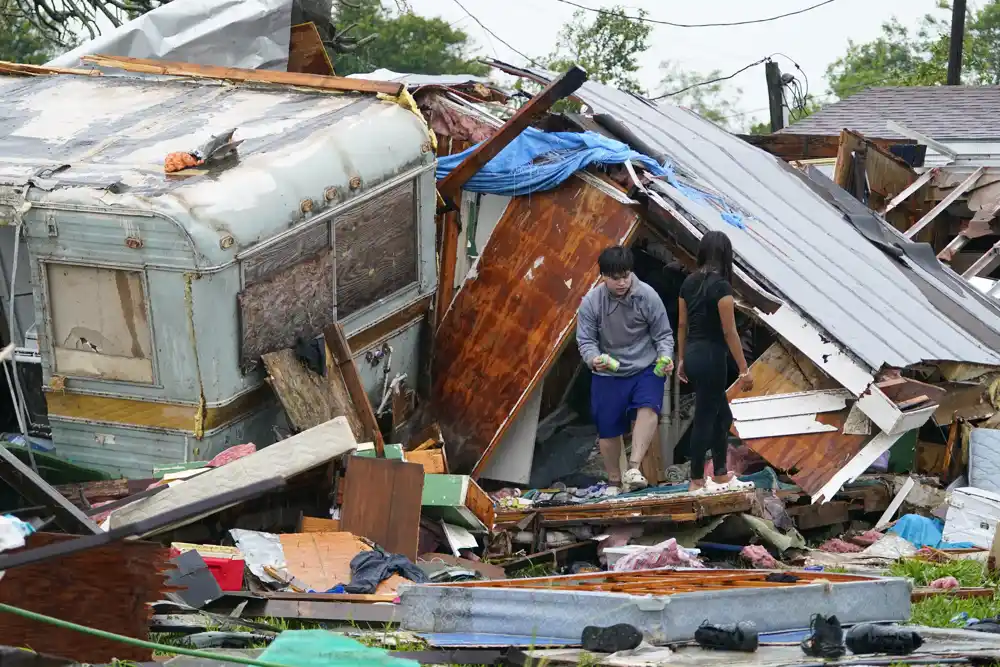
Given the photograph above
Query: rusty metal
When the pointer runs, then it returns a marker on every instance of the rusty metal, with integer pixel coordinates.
(512, 317)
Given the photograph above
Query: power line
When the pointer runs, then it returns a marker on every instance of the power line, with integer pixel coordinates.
(710, 81)
(499, 38)
(598, 10)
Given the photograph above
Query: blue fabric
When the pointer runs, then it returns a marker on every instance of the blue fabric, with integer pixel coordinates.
(921, 531)
(537, 161)
(614, 400)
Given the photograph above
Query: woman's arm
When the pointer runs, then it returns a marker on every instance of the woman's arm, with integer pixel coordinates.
(727, 314)
(682, 329)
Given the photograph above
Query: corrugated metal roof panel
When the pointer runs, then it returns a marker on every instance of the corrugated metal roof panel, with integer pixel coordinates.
(877, 307)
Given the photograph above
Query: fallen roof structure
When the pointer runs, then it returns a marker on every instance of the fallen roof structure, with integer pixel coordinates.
(849, 294)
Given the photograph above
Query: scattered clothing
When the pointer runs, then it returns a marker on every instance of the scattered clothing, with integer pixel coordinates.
(781, 578)
(620, 637)
(740, 636)
(312, 353)
(370, 568)
(678, 473)
(664, 554)
(867, 538)
(13, 532)
(759, 557)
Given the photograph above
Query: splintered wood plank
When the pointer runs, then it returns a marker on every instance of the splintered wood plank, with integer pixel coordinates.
(507, 324)
(382, 502)
(306, 53)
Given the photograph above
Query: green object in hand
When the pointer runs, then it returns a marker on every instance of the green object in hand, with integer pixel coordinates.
(609, 361)
(660, 370)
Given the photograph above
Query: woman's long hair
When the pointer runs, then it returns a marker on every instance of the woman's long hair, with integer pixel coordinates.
(715, 255)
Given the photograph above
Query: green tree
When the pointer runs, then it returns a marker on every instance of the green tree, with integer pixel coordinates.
(402, 41)
(715, 101)
(904, 57)
(608, 47)
(20, 42)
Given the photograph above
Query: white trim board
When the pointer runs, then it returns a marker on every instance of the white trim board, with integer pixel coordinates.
(856, 467)
(790, 405)
(779, 426)
(856, 378)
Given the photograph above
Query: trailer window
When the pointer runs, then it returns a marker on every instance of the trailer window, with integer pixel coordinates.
(99, 323)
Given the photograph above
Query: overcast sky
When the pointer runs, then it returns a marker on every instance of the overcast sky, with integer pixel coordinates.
(812, 39)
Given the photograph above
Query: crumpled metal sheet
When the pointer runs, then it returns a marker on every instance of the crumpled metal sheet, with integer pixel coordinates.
(250, 34)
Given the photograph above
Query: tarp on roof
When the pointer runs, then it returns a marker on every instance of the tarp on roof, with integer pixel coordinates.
(801, 246)
(250, 34)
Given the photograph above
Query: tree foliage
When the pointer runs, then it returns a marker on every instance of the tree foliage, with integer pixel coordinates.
(20, 42)
(714, 101)
(903, 57)
(403, 42)
(608, 47)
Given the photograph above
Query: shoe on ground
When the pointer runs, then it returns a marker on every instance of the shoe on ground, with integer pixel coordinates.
(868, 638)
(728, 487)
(611, 490)
(826, 639)
(740, 636)
(621, 637)
(633, 480)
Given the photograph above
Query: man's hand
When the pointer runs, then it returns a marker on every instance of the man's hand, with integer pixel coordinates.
(598, 364)
(664, 367)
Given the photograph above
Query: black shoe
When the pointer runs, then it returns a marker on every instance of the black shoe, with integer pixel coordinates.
(741, 636)
(621, 637)
(827, 638)
(990, 625)
(870, 638)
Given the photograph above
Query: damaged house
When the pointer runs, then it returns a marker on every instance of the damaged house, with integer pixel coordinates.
(866, 324)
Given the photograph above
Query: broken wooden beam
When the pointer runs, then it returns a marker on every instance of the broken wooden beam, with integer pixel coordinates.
(337, 345)
(942, 205)
(336, 83)
(450, 186)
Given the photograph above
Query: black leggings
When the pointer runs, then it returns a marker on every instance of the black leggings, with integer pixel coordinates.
(706, 366)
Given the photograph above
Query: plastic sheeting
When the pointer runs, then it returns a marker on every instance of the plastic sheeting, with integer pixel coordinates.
(537, 161)
(921, 531)
(251, 34)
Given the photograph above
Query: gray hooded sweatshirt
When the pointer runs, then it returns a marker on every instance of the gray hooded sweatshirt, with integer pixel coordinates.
(634, 330)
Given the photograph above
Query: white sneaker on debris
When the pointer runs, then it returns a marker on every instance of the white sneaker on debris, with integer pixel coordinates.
(633, 480)
(610, 491)
(729, 487)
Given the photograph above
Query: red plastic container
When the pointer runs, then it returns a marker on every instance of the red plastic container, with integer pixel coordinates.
(227, 570)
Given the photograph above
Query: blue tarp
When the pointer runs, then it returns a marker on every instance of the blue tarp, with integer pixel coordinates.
(537, 161)
(921, 531)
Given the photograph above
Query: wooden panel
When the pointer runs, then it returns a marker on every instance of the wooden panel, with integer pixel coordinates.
(306, 53)
(376, 246)
(295, 302)
(107, 588)
(804, 147)
(310, 399)
(432, 460)
(235, 74)
(271, 260)
(507, 323)
(311, 524)
(810, 459)
(382, 503)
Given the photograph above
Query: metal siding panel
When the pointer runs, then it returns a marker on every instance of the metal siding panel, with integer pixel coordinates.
(116, 449)
(506, 324)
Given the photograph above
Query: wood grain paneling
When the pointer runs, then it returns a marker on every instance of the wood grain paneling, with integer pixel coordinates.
(376, 246)
(382, 502)
(508, 322)
(306, 53)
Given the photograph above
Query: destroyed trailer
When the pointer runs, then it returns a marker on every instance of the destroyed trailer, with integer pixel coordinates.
(147, 299)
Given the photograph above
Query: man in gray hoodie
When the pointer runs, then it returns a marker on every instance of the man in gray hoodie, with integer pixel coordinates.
(624, 337)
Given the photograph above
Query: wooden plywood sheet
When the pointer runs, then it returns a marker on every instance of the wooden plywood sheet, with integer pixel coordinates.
(506, 325)
(310, 399)
(323, 559)
(306, 53)
(382, 503)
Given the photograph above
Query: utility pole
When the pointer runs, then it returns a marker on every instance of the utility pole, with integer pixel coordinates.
(775, 101)
(957, 35)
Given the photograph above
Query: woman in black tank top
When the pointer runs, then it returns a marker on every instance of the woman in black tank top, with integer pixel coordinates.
(706, 334)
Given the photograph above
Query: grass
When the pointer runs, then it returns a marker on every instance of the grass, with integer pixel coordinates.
(938, 610)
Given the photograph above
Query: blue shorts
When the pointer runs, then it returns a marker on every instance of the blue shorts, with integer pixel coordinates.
(615, 400)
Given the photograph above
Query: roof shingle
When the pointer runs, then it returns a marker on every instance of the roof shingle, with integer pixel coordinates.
(940, 112)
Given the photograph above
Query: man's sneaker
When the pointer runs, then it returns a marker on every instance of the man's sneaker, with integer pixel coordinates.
(890, 640)
(741, 636)
(621, 637)
(826, 639)
(633, 480)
